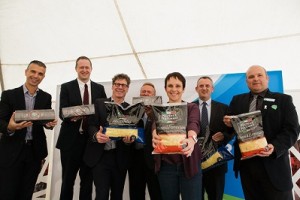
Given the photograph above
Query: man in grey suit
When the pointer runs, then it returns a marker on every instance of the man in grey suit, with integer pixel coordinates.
(213, 180)
(73, 134)
(268, 175)
(23, 145)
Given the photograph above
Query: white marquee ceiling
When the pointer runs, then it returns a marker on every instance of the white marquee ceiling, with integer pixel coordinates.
(148, 39)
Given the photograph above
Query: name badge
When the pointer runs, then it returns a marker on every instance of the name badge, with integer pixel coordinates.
(269, 99)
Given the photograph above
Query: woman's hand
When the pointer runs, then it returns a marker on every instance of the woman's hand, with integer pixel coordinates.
(155, 139)
(190, 143)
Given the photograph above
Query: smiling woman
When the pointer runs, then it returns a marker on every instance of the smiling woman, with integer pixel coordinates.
(188, 181)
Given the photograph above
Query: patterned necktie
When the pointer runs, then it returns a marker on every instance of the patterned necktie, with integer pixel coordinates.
(85, 102)
(253, 103)
(204, 119)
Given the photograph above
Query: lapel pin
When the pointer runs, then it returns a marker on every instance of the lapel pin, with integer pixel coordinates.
(274, 107)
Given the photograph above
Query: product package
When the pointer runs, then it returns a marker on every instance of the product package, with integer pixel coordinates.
(123, 121)
(171, 122)
(147, 100)
(42, 116)
(77, 111)
(250, 134)
(212, 155)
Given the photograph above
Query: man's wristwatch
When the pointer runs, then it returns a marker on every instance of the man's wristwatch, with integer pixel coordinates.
(194, 137)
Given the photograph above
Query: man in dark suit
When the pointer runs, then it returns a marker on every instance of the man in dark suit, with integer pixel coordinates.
(213, 180)
(268, 175)
(73, 134)
(141, 172)
(23, 144)
(109, 159)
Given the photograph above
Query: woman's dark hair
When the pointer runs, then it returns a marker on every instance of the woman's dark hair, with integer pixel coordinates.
(175, 75)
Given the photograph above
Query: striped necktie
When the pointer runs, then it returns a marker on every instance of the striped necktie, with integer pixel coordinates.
(253, 103)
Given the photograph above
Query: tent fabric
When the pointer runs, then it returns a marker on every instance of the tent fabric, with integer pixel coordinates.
(148, 39)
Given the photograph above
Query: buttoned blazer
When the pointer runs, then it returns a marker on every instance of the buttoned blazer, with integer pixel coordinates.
(11, 145)
(281, 128)
(70, 96)
(94, 150)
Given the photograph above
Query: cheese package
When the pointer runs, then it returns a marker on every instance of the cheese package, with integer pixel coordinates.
(252, 147)
(76, 111)
(213, 155)
(123, 122)
(216, 157)
(147, 100)
(42, 116)
(250, 134)
(171, 122)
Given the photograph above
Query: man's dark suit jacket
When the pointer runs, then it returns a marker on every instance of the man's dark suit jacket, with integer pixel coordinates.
(218, 111)
(94, 149)
(70, 96)
(281, 128)
(11, 146)
(148, 148)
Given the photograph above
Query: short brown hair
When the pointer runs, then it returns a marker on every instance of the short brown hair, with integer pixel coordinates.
(83, 58)
(121, 76)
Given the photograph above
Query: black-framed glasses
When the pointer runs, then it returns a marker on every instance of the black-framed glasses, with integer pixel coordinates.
(121, 84)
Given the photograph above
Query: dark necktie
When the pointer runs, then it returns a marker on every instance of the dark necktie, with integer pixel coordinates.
(204, 119)
(252, 106)
(85, 102)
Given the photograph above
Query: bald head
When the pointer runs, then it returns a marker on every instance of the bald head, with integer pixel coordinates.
(257, 79)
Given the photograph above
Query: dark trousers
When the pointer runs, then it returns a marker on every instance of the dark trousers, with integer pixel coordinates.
(72, 163)
(139, 175)
(256, 183)
(174, 184)
(213, 183)
(109, 177)
(17, 182)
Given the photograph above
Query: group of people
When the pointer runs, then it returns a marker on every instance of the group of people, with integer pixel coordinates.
(87, 150)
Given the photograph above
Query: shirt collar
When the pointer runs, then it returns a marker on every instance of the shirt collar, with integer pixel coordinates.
(261, 94)
(81, 84)
(26, 91)
(208, 102)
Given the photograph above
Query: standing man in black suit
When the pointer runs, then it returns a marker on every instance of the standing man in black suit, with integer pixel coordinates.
(23, 145)
(213, 180)
(268, 175)
(141, 172)
(73, 135)
(109, 159)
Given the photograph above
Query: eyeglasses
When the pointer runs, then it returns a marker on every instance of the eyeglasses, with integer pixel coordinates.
(121, 84)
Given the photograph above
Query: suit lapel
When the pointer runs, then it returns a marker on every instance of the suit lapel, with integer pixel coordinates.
(38, 100)
(245, 104)
(213, 113)
(92, 91)
(267, 104)
(21, 99)
(76, 92)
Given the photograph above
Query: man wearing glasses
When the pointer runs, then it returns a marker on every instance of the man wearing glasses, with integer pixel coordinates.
(108, 158)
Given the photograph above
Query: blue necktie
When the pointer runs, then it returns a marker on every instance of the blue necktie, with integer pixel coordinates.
(204, 119)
